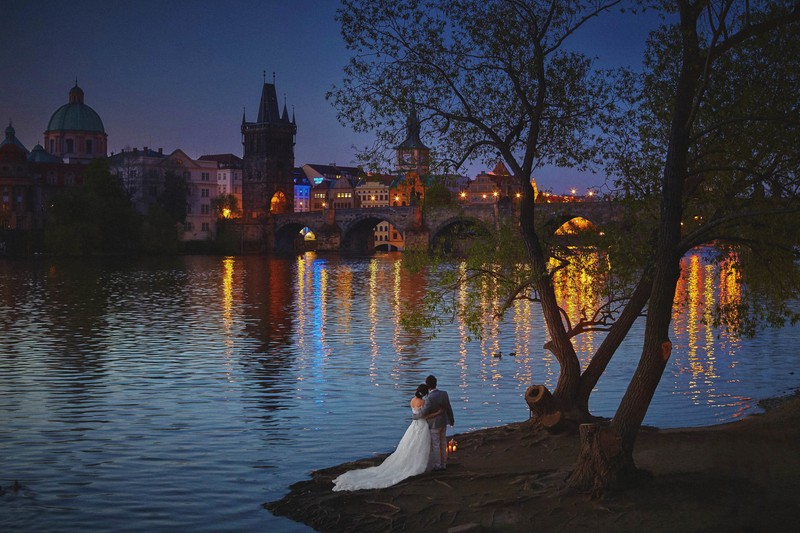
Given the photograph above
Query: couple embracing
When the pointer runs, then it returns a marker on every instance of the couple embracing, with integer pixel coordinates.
(422, 448)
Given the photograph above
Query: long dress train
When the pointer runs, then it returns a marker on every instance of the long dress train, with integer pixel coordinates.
(410, 458)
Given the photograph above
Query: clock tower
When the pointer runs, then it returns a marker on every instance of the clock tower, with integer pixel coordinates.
(412, 155)
(413, 165)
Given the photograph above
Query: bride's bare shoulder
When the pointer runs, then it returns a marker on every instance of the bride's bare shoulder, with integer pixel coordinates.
(417, 402)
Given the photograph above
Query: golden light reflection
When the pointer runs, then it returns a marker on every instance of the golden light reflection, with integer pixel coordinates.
(463, 336)
(693, 308)
(577, 293)
(302, 294)
(708, 289)
(374, 319)
(322, 319)
(695, 300)
(227, 313)
(523, 330)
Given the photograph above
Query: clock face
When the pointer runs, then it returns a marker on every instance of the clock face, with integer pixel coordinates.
(408, 158)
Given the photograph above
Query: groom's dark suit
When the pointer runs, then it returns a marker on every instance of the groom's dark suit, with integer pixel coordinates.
(438, 399)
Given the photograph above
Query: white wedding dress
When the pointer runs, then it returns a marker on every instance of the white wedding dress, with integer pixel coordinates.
(410, 458)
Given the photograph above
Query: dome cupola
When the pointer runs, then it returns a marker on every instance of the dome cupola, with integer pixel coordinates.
(75, 131)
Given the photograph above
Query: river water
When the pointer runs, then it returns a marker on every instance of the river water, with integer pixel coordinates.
(183, 393)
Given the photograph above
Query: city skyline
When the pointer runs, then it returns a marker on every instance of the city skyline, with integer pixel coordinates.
(179, 75)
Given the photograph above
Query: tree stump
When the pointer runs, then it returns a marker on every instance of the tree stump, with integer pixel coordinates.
(543, 406)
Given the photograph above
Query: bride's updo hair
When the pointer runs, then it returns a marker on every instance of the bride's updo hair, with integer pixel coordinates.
(422, 391)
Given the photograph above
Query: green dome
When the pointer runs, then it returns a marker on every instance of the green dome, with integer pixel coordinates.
(75, 116)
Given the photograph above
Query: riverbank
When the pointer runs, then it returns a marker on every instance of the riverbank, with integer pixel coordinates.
(741, 476)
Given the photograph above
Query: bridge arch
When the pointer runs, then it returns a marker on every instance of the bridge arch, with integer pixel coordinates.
(288, 238)
(454, 233)
(358, 231)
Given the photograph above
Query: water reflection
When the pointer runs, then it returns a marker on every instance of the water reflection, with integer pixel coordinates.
(162, 384)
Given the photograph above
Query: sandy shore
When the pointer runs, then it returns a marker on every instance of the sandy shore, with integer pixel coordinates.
(743, 476)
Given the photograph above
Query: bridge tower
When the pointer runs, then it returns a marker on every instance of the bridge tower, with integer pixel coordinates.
(267, 185)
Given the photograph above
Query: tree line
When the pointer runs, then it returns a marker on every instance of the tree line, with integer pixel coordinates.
(99, 218)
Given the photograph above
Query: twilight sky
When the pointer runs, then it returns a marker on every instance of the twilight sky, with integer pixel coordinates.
(177, 74)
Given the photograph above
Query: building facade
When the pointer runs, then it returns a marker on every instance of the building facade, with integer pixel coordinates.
(142, 173)
(302, 192)
(229, 177)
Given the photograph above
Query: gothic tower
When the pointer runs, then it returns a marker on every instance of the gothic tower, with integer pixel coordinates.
(412, 154)
(267, 185)
(413, 164)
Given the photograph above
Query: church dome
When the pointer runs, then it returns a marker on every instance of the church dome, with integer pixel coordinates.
(75, 116)
(39, 155)
(11, 138)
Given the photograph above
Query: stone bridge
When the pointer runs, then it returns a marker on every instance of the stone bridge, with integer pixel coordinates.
(353, 229)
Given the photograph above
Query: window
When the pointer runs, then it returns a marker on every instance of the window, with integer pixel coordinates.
(70, 146)
(89, 147)
(52, 146)
(188, 209)
(205, 226)
(204, 193)
(205, 209)
(204, 176)
(188, 226)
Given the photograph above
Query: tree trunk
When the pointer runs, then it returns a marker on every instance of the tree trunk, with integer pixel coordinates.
(608, 461)
(601, 463)
(565, 394)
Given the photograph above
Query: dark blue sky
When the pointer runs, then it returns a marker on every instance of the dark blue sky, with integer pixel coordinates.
(177, 74)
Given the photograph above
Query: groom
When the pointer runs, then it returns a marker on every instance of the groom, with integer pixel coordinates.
(438, 400)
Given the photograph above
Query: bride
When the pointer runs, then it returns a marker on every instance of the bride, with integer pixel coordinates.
(409, 459)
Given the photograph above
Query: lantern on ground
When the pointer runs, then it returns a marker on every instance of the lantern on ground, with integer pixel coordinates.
(452, 446)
